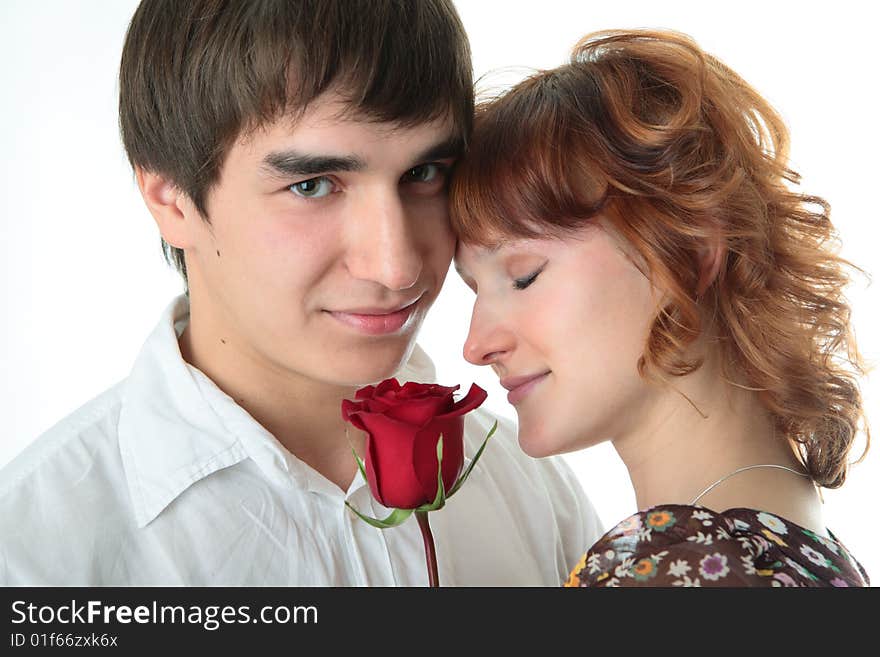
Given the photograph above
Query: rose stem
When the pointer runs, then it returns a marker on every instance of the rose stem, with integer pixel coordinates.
(430, 554)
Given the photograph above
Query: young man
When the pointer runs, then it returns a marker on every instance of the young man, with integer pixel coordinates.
(294, 155)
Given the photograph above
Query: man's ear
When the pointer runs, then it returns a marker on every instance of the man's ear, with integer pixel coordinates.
(169, 206)
(711, 257)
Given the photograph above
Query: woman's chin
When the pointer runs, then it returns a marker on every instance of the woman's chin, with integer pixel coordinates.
(541, 441)
(535, 444)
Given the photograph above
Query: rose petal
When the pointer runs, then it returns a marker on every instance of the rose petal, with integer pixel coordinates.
(375, 405)
(389, 462)
(365, 393)
(418, 412)
(413, 390)
(475, 396)
(387, 386)
(371, 468)
(425, 454)
(351, 413)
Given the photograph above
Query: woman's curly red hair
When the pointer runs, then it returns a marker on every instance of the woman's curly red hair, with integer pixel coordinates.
(680, 155)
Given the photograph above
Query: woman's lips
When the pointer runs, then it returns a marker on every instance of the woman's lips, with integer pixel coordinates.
(520, 387)
(376, 322)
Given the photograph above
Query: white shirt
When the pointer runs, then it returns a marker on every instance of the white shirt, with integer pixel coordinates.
(165, 480)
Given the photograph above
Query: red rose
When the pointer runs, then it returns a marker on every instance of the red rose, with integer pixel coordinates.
(403, 425)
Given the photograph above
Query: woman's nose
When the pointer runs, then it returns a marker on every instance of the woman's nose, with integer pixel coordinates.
(489, 340)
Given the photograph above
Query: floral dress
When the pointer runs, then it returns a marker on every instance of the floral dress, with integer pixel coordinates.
(681, 545)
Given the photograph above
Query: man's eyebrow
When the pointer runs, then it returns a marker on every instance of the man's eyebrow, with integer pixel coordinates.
(285, 164)
(449, 148)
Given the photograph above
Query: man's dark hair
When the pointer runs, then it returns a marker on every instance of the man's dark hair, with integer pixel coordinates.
(196, 74)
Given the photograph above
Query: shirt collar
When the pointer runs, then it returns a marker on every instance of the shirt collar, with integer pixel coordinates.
(177, 427)
(169, 436)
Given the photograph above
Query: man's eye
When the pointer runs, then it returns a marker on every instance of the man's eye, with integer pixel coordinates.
(312, 188)
(425, 173)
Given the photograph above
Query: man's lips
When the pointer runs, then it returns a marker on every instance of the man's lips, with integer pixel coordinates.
(520, 386)
(377, 320)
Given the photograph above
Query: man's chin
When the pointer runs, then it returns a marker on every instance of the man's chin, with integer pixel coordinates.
(375, 364)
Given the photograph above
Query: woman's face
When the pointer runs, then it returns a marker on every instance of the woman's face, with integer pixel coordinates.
(563, 322)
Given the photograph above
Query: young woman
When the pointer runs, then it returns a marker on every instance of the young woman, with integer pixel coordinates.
(646, 273)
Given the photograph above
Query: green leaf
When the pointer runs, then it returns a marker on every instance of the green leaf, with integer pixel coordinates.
(360, 465)
(440, 499)
(476, 458)
(397, 517)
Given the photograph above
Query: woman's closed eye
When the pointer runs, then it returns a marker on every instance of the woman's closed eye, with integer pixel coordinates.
(523, 282)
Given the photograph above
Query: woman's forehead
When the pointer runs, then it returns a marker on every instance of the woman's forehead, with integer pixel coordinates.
(468, 253)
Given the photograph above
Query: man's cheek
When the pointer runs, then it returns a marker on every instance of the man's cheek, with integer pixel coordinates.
(443, 246)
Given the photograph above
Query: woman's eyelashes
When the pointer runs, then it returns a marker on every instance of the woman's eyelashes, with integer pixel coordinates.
(523, 282)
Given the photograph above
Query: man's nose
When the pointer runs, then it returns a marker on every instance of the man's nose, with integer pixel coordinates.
(382, 247)
(489, 339)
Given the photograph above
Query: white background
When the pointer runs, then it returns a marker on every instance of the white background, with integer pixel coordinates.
(84, 279)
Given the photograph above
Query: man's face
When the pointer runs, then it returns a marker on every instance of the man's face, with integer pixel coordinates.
(328, 242)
